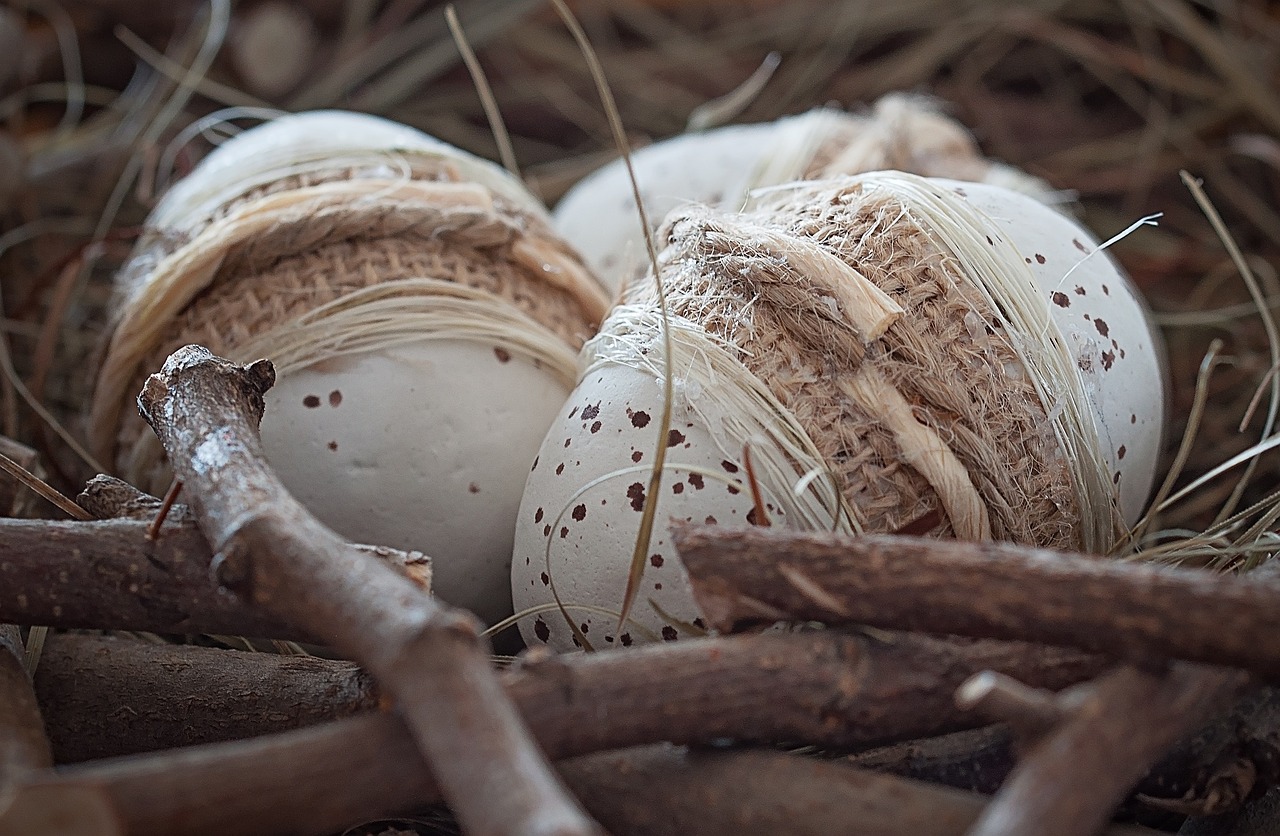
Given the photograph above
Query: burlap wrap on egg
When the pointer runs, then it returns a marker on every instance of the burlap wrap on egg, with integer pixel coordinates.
(290, 247)
(930, 426)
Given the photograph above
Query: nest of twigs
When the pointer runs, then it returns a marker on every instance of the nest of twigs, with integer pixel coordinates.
(1122, 105)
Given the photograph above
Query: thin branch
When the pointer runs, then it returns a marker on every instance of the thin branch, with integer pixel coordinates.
(108, 575)
(1070, 783)
(271, 551)
(1125, 609)
(106, 696)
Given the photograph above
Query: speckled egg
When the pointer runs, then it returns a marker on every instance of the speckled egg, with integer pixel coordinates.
(959, 359)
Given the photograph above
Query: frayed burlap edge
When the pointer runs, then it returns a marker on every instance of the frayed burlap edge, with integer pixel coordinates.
(935, 417)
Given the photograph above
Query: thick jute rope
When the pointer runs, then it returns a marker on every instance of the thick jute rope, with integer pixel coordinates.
(919, 372)
(307, 251)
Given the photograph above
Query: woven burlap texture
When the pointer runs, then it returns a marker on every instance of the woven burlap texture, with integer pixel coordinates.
(966, 393)
(311, 245)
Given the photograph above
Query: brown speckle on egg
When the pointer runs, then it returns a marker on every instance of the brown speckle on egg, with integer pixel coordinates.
(729, 466)
(564, 531)
(502, 354)
(579, 512)
(635, 493)
(1108, 360)
(637, 456)
(538, 515)
(1061, 299)
(595, 427)
(669, 633)
(696, 481)
(1039, 258)
(590, 411)
(656, 560)
(1101, 325)
(1121, 451)
(545, 578)
(333, 445)
(625, 638)
(540, 629)
(560, 469)
(674, 437)
(311, 401)
(677, 488)
(473, 488)
(1080, 291)
(335, 398)
(639, 419)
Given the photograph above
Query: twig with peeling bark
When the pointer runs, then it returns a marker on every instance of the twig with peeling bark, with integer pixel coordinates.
(271, 551)
(1073, 777)
(1127, 610)
(823, 687)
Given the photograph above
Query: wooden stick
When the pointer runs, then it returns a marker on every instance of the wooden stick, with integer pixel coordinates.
(108, 575)
(1125, 609)
(823, 687)
(109, 696)
(976, 760)
(1209, 773)
(23, 745)
(670, 791)
(271, 551)
(1070, 783)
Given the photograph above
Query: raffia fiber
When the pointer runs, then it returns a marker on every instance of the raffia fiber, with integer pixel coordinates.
(295, 245)
(971, 400)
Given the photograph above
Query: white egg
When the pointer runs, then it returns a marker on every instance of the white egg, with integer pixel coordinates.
(721, 167)
(415, 432)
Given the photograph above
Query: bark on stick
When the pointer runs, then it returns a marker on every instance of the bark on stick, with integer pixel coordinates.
(272, 552)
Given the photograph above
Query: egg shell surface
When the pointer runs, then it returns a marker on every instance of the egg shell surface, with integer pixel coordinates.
(604, 439)
(1118, 351)
(422, 446)
(715, 167)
